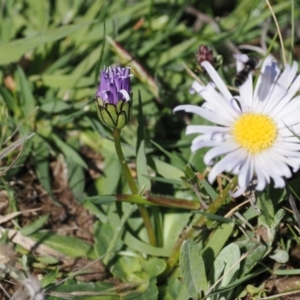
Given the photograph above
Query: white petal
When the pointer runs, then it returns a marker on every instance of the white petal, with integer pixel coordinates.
(125, 94)
(268, 76)
(199, 145)
(204, 113)
(288, 75)
(204, 129)
(216, 100)
(196, 87)
(246, 173)
(217, 80)
(278, 181)
(226, 163)
(217, 151)
(278, 105)
(290, 109)
(260, 166)
(240, 191)
(261, 179)
(246, 89)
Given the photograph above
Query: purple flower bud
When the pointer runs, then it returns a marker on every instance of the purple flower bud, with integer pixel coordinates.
(114, 85)
(113, 97)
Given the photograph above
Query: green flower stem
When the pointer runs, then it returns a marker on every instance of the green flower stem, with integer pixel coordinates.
(134, 190)
(190, 230)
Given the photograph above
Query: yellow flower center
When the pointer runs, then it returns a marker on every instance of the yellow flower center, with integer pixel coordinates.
(255, 132)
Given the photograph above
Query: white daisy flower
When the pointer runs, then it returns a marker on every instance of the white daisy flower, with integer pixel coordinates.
(254, 131)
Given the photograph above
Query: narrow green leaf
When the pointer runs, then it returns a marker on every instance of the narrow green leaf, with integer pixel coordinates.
(166, 170)
(165, 180)
(76, 176)
(177, 160)
(142, 171)
(118, 230)
(209, 189)
(10, 101)
(176, 51)
(68, 152)
(63, 81)
(192, 268)
(27, 102)
(35, 225)
(48, 260)
(103, 290)
(103, 234)
(55, 106)
(214, 217)
(41, 159)
(174, 223)
(12, 51)
(67, 245)
(49, 278)
(142, 247)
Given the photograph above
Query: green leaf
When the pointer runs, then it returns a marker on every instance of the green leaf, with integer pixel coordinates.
(281, 256)
(214, 217)
(103, 234)
(238, 282)
(177, 160)
(127, 268)
(216, 242)
(209, 189)
(174, 223)
(68, 152)
(192, 268)
(67, 245)
(27, 101)
(175, 289)
(154, 266)
(108, 183)
(256, 251)
(63, 81)
(10, 101)
(118, 230)
(48, 260)
(146, 291)
(176, 51)
(76, 178)
(141, 168)
(12, 51)
(166, 170)
(35, 225)
(49, 278)
(267, 208)
(41, 159)
(227, 265)
(54, 106)
(142, 247)
(103, 290)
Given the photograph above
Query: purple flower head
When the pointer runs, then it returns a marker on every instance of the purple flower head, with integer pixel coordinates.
(114, 85)
(113, 101)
